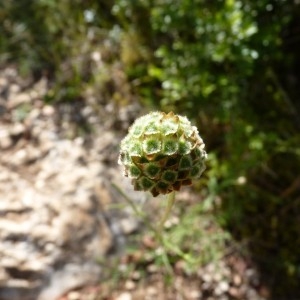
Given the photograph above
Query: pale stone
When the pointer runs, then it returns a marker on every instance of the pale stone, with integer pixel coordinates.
(129, 225)
(56, 202)
(124, 296)
(130, 285)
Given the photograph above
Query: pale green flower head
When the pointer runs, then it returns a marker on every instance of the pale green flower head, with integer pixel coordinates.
(162, 152)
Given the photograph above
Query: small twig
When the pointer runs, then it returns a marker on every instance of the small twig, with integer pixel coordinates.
(289, 103)
(291, 188)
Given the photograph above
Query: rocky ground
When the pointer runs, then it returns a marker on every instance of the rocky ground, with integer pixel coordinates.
(60, 216)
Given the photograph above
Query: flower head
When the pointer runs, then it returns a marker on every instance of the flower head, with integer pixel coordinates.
(162, 152)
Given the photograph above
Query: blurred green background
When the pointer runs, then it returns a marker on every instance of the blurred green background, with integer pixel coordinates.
(233, 67)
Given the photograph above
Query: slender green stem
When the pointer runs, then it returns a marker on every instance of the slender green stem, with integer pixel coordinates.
(159, 237)
(157, 233)
(138, 212)
(170, 203)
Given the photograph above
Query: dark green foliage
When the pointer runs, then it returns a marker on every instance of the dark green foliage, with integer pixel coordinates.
(55, 39)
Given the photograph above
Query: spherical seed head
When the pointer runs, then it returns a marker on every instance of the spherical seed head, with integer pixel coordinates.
(162, 152)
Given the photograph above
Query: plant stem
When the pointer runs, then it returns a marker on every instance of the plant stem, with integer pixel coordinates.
(157, 232)
(170, 202)
(131, 203)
